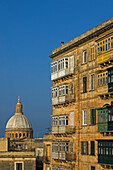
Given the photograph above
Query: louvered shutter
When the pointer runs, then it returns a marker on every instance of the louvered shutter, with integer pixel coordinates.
(72, 118)
(72, 64)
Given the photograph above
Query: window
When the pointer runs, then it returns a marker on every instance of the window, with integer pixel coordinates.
(54, 147)
(62, 121)
(55, 121)
(62, 64)
(92, 167)
(19, 166)
(54, 67)
(54, 93)
(102, 79)
(71, 146)
(84, 147)
(92, 82)
(105, 45)
(92, 148)
(84, 116)
(92, 116)
(84, 56)
(66, 120)
(61, 90)
(84, 84)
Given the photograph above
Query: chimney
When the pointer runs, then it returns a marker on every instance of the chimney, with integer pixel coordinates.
(62, 43)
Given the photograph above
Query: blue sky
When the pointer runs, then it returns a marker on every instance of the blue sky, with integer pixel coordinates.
(29, 31)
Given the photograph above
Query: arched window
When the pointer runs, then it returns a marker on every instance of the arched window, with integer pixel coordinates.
(23, 134)
(20, 134)
(16, 135)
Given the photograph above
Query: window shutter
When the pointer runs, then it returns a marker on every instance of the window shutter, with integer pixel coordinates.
(72, 118)
(94, 116)
(87, 148)
(91, 116)
(71, 63)
(92, 148)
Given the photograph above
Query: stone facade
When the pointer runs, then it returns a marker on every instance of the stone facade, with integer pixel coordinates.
(81, 86)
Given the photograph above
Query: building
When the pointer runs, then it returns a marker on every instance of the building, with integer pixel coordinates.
(19, 150)
(82, 95)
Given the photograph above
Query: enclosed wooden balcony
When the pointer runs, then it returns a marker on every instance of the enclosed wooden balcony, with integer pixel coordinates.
(62, 67)
(105, 58)
(105, 152)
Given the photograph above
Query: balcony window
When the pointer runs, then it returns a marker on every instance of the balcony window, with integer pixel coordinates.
(110, 79)
(54, 67)
(102, 120)
(105, 151)
(62, 64)
(84, 117)
(63, 147)
(54, 92)
(54, 147)
(55, 121)
(84, 147)
(106, 45)
(61, 90)
(102, 79)
(62, 121)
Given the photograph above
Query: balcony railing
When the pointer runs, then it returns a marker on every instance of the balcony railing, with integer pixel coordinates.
(46, 159)
(63, 99)
(107, 126)
(67, 156)
(63, 129)
(62, 73)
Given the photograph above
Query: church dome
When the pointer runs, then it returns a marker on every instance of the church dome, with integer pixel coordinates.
(18, 122)
(19, 125)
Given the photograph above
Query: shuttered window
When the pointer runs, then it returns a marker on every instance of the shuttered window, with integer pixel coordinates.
(92, 116)
(92, 148)
(84, 84)
(92, 82)
(84, 147)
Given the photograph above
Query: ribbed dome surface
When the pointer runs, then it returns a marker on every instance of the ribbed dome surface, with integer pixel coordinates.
(18, 122)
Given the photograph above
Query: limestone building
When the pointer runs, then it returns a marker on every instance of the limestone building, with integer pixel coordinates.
(82, 95)
(19, 150)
